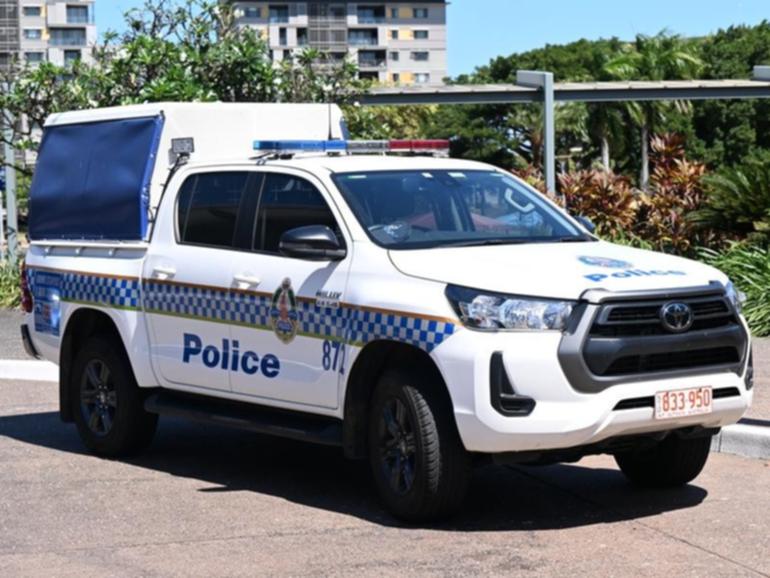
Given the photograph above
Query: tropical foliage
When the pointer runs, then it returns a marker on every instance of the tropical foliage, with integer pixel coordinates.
(749, 268)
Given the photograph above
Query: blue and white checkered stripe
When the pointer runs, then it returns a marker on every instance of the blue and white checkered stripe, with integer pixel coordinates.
(106, 291)
(355, 325)
(366, 326)
(86, 288)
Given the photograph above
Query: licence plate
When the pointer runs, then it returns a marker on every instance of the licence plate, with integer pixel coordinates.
(683, 402)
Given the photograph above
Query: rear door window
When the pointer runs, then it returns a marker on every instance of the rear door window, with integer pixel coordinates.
(209, 206)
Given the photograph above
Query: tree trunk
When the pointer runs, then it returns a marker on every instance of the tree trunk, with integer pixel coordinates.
(606, 154)
(644, 175)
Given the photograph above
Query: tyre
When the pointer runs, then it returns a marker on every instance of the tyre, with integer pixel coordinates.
(673, 462)
(107, 404)
(420, 466)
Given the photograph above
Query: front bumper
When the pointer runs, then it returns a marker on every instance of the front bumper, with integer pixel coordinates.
(562, 417)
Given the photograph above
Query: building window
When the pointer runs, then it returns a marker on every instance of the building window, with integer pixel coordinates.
(77, 15)
(32, 11)
(33, 34)
(301, 36)
(421, 56)
(279, 14)
(420, 34)
(395, 56)
(72, 56)
(394, 34)
(282, 37)
(396, 77)
(420, 12)
(422, 78)
(394, 13)
(286, 55)
(34, 57)
(68, 37)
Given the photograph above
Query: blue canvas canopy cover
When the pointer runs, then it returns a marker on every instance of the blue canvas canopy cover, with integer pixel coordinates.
(92, 180)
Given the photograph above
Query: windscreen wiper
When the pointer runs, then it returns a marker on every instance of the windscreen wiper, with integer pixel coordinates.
(485, 242)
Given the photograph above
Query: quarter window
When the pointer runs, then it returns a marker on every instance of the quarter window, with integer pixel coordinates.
(208, 207)
(288, 202)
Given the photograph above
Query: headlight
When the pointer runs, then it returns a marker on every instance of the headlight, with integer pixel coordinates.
(494, 311)
(736, 297)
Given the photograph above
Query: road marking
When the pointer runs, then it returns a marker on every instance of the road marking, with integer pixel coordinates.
(28, 370)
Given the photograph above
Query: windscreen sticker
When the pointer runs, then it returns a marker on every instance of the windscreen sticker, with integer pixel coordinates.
(46, 292)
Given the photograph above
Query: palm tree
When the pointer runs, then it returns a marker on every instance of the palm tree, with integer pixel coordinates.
(660, 57)
(605, 124)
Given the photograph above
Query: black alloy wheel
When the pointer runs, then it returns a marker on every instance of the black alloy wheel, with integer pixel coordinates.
(397, 446)
(98, 397)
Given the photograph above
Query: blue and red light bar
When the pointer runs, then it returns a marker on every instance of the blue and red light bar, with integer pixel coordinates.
(352, 147)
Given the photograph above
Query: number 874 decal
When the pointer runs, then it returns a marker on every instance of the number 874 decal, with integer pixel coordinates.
(333, 356)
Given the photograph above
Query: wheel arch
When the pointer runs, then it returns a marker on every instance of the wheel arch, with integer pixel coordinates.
(369, 365)
(82, 324)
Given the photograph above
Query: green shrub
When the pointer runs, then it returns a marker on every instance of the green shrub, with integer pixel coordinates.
(10, 295)
(738, 200)
(748, 266)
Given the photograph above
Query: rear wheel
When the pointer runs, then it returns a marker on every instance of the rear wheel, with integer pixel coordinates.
(419, 464)
(673, 462)
(107, 404)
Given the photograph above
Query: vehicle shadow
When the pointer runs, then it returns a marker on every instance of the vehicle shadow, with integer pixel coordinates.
(500, 499)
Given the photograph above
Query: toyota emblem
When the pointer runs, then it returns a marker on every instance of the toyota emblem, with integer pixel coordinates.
(676, 317)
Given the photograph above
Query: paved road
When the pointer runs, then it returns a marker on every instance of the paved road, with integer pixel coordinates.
(207, 501)
(10, 340)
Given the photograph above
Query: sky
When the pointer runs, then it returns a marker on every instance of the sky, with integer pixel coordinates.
(480, 30)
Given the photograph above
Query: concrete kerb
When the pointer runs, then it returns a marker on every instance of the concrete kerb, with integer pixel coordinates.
(749, 438)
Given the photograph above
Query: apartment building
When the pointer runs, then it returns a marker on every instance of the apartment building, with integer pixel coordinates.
(46, 30)
(401, 43)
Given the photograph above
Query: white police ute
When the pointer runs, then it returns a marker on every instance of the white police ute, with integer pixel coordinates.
(248, 265)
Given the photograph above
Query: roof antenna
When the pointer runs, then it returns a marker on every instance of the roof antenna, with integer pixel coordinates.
(328, 90)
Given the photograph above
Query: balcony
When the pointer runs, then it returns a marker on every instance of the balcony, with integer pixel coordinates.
(79, 15)
(67, 37)
(371, 15)
(363, 37)
(372, 59)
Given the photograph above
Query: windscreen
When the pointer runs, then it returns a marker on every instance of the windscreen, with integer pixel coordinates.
(419, 209)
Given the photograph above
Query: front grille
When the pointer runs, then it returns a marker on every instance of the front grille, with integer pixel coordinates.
(672, 360)
(639, 319)
(627, 339)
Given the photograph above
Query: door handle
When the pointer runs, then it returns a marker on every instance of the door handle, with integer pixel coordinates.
(246, 279)
(163, 272)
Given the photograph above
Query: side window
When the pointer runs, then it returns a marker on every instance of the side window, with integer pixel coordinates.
(208, 207)
(288, 202)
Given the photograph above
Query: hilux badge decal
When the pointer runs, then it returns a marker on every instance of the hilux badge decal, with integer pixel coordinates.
(284, 317)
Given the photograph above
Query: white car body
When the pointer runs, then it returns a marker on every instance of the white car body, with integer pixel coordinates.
(373, 294)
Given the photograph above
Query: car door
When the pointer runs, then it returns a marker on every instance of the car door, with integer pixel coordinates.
(291, 314)
(187, 279)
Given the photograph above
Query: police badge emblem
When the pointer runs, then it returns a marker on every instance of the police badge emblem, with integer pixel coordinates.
(284, 317)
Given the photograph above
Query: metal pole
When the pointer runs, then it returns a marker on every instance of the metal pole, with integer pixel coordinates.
(10, 194)
(544, 81)
(2, 230)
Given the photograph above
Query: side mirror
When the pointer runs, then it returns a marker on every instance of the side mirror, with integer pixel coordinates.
(586, 222)
(314, 242)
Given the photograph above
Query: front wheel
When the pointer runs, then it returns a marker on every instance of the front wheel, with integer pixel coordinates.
(107, 404)
(420, 467)
(673, 462)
